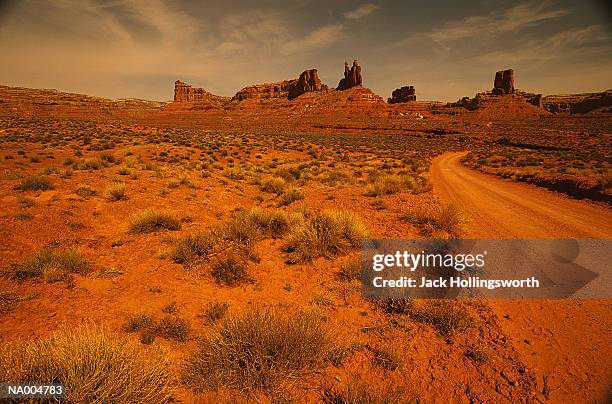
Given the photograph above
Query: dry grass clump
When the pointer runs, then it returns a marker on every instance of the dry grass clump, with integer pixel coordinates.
(25, 201)
(274, 185)
(115, 192)
(388, 184)
(446, 221)
(233, 173)
(446, 316)
(85, 192)
(149, 220)
(351, 270)
(231, 271)
(194, 248)
(173, 327)
(90, 163)
(360, 391)
(327, 234)
(387, 358)
(291, 195)
(139, 322)
(35, 183)
(169, 327)
(258, 350)
(270, 223)
(8, 301)
(215, 311)
(93, 365)
(53, 264)
(237, 235)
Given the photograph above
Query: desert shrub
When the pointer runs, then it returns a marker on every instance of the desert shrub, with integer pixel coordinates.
(173, 327)
(194, 248)
(233, 173)
(444, 221)
(23, 216)
(389, 184)
(115, 192)
(291, 195)
(215, 311)
(327, 234)
(90, 163)
(85, 192)
(149, 220)
(170, 308)
(360, 391)
(137, 322)
(387, 358)
(351, 270)
(35, 183)
(92, 364)
(52, 264)
(444, 315)
(477, 355)
(25, 201)
(169, 327)
(270, 223)
(274, 185)
(259, 349)
(231, 271)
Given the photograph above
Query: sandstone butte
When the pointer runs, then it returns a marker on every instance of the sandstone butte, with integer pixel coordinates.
(305, 96)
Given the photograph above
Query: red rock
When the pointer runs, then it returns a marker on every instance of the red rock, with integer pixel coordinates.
(352, 76)
(184, 92)
(308, 81)
(287, 89)
(403, 94)
(504, 82)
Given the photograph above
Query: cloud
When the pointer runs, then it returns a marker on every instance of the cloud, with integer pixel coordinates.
(572, 43)
(316, 39)
(511, 20)
(361, 11)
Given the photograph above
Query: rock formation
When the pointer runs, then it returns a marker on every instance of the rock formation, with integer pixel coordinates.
(308, 81)
(403, 94)
(184, 92)
(29, 102)
(504, 82)
(578, 103)
(352, 76)
(287, 89)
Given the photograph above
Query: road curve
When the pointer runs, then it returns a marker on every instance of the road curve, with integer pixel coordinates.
(565, 340)
(500, 209)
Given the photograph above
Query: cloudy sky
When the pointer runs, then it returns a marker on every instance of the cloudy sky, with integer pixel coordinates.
(446, 49)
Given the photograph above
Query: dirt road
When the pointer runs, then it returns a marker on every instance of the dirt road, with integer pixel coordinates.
(498, 208)
(568, 342)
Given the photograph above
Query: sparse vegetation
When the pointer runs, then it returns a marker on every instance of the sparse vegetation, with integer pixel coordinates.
(387, 358)
(258, 351)
(52, 264)
(115, 192)
(93, 365)
(445, 221)
(35, 183)
(149, 220)
(231, 271)
(327, 234)
(361, 391)
(446, 316)
(215, 311)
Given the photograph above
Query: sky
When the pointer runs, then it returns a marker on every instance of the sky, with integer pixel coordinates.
(446, 49)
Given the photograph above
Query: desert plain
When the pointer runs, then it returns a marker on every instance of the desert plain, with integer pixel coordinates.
(207, 249)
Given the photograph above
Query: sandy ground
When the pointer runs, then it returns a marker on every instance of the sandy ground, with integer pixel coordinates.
(567, 340)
